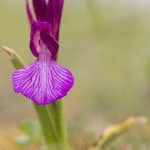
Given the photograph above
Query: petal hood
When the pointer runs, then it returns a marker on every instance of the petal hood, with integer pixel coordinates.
(42, 33)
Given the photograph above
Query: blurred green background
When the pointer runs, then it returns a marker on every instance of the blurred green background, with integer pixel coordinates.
(106, 45)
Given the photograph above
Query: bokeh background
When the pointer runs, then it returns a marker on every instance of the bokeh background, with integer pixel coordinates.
(106, 45)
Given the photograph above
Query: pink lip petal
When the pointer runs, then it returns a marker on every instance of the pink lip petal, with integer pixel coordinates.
(44, 81)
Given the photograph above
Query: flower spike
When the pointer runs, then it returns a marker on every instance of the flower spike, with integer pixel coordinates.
(44, 81)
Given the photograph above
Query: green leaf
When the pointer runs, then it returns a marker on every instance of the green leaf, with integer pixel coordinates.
(32, 129)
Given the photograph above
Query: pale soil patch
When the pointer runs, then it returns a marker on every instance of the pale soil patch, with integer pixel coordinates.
(7, 137)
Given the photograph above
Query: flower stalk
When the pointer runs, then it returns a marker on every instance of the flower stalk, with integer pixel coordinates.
(60, 120)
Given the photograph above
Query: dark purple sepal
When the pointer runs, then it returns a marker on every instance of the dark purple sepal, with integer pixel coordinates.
(59, 21)
(50, 12)
(40, 9)
(30, 17)
(53, 14)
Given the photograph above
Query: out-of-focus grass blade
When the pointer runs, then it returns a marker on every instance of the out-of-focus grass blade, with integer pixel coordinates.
(115, 130)
(14, 58)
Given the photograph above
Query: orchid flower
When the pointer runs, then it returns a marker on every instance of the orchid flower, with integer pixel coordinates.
(44, 81)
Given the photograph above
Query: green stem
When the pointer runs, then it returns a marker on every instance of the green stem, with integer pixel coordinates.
(47, 125)
(60, 121)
